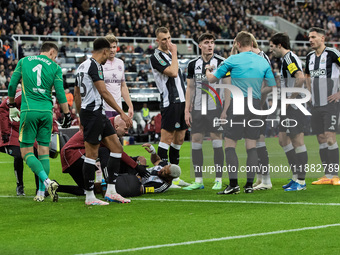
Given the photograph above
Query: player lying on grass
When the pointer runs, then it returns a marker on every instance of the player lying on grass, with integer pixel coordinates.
(72, 157)
(73, 153)
(160, 177)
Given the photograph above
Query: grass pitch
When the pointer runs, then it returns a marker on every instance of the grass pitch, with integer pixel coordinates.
(176, 222)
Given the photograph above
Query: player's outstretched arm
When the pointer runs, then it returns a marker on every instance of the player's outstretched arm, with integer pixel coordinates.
(127, 99)
(155, 159)
(208, 73)
(189, 95)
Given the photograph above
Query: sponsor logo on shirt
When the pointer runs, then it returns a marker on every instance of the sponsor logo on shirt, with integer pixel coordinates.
(317, 73)
(149, 190)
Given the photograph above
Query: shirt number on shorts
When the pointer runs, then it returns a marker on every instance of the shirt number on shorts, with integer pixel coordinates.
(333, 118)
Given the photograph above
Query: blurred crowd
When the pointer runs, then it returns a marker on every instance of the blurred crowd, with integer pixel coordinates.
(140, 18)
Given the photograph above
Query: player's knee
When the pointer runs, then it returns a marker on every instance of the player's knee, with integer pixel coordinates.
(329, 138)
(282, 143)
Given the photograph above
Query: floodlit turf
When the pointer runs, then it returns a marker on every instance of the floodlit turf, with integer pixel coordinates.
(70, 227)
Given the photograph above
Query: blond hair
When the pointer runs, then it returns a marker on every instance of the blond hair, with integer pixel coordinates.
(255, 45)
(111, 38)
(161, 30)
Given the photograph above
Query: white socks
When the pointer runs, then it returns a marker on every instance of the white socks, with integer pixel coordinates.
(90, 196)
(199, 180)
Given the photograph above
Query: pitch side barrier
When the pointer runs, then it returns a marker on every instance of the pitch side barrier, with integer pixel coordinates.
(184, 45)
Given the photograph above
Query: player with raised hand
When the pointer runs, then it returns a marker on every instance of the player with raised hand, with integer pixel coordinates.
(170, 83)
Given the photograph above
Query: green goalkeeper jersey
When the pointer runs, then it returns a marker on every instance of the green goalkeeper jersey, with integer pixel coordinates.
(39, 74)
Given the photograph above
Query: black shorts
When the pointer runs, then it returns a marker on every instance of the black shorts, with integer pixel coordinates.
(325, 118)
(205, 123)
(265, 106)
(247, 125)
(11, 150)
(96, 126)
(293, 122)
(173, 117)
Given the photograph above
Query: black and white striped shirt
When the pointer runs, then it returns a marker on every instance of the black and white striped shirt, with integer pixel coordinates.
(87, 74)
(324, 71)
(264, 55)
(291, 64)
(196, 71)
(153, 183)
(172, 90)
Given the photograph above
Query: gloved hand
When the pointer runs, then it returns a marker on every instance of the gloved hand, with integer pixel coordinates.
(14, 113)
(142, 171)
(67, 121)
(5, 138)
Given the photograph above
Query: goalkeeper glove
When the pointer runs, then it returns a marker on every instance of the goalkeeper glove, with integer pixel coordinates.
(5, 138)
(14, 113)
(67, 121)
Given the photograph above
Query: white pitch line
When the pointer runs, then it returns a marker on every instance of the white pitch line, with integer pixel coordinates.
(205, 201)
(19, 197)
(234, 201)
(213, 239)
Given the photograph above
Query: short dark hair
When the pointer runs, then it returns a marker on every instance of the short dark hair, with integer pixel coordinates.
(281, 38)
(206, 36)
(244, 38)
(318, 30)
(100, 43)
(47, 46)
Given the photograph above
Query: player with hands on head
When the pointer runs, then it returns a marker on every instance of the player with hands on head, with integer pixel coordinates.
(170, 83)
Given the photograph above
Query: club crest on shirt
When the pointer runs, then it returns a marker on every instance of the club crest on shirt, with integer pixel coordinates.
(120, 68)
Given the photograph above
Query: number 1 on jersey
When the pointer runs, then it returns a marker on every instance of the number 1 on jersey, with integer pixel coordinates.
(37, 69)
